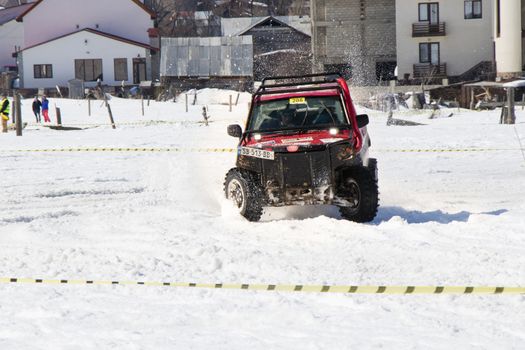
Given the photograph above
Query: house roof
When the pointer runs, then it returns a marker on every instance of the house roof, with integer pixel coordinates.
(35, 4)
(12, 3)
(11, 13)
(239, 26)
(96, 32)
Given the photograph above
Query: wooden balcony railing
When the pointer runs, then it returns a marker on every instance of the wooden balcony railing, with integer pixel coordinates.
(427, 70)
(428, 29)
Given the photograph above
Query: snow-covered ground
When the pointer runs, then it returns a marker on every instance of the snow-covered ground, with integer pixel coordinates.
(451, 218)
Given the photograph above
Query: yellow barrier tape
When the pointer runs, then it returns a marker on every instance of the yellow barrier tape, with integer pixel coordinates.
(130, 149)
(446, 150)
(422, 290)
(144, 122)
(230, 150)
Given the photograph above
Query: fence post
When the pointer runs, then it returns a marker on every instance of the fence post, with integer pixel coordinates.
(230, 103)
(89, 106)
(111, 117)
(186, 103)
(142, 103)
(59, 116)
(109, 112)
(18, 116)
(510, 118)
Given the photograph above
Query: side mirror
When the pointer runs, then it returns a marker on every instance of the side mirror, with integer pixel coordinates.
(362, 120)
(235, 131)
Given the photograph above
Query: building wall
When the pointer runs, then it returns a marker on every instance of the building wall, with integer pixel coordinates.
(359, 33)
(74, 47)
(54, 18)
(280, 51)
(467, 41)
(11, 35)
(509, 40)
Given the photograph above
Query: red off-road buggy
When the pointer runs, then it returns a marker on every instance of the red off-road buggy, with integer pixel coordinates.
(304, 145)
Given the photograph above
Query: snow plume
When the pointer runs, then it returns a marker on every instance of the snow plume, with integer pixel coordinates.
(181, 188)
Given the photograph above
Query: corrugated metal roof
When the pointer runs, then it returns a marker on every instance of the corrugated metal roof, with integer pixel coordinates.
(207, 57)
(11, 13)
(235, 26)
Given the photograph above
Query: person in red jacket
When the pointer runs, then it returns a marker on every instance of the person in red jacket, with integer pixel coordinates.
(45, 109)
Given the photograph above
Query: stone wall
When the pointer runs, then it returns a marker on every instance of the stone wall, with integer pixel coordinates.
(358, 33)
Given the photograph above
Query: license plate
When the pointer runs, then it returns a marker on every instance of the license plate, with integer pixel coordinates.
(257, 153)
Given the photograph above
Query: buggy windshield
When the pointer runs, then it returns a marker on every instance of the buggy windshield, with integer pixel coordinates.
(298, 112)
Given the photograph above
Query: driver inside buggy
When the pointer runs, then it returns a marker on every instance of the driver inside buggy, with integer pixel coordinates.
(314, 112)
(281, 118)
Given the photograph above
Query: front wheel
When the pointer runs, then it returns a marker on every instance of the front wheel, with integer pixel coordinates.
(362, 193)
(242, 189)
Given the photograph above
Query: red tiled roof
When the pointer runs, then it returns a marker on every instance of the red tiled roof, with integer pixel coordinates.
(96, 32)
(11, 13)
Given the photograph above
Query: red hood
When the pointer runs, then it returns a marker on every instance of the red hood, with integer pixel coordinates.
(310, 138)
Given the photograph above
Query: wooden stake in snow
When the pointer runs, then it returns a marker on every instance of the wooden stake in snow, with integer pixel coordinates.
(186, 103)
(142, 103)
(237, 100)
(231, 101)
(205, 115)
(109, 111)
(18, 116)
(89, 106)
(59, 116)
(111, 117)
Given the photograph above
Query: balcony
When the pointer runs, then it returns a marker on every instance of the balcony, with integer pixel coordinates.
(430, 71)
(422, 29)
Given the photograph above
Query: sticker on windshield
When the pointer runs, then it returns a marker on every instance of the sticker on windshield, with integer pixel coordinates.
(298, 101)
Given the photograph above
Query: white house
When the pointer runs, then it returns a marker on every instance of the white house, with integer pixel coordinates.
(87, 55)
(442, 38)
(450, 38)
(11, 35)
(87, 40)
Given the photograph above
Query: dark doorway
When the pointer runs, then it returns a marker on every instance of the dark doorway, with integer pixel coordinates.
(139, 70)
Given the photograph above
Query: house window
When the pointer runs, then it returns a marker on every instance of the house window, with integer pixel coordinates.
(473, 9)
(88, 70)
(43, 71)
(429, 53)
(121, 69)
(429, 12)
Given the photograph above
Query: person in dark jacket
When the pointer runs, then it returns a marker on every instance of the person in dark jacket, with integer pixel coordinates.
(4, 111)
(45, 109)
(37, 105)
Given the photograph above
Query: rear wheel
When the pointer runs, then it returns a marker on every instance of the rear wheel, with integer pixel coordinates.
(242, 188)
(362, 193)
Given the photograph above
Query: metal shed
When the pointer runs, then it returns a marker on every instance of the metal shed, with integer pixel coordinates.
(207, 57)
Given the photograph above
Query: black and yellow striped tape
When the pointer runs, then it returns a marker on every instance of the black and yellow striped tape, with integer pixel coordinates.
(422, 290)
(124, 149)
(230, 150)
(142, 122)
